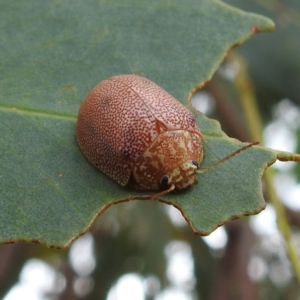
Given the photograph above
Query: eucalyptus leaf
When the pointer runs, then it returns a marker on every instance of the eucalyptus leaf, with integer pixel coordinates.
(53, 52)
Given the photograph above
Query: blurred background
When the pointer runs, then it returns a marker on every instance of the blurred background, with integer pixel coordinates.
(145, 250)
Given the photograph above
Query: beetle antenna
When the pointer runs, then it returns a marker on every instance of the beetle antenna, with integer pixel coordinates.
(170, 189)
(227, 157)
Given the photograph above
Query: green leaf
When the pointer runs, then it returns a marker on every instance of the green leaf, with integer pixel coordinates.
(52, 53)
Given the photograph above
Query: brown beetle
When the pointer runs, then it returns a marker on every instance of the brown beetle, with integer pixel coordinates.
(130, 127)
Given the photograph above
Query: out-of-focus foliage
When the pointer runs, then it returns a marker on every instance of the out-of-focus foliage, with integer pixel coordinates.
(274, 59)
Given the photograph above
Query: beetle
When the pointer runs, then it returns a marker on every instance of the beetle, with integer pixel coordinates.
(130, 128)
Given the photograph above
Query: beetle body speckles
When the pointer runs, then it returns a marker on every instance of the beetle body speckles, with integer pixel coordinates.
(128, 126)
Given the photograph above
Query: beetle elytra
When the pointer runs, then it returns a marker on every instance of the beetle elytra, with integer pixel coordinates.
(129, 127)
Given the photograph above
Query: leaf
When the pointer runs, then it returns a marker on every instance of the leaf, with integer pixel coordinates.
(52, 55)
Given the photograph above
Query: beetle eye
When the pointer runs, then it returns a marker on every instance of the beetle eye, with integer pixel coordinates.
(164, 181)
(195, 163)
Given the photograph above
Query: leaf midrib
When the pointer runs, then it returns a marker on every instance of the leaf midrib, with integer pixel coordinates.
(39, 113)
